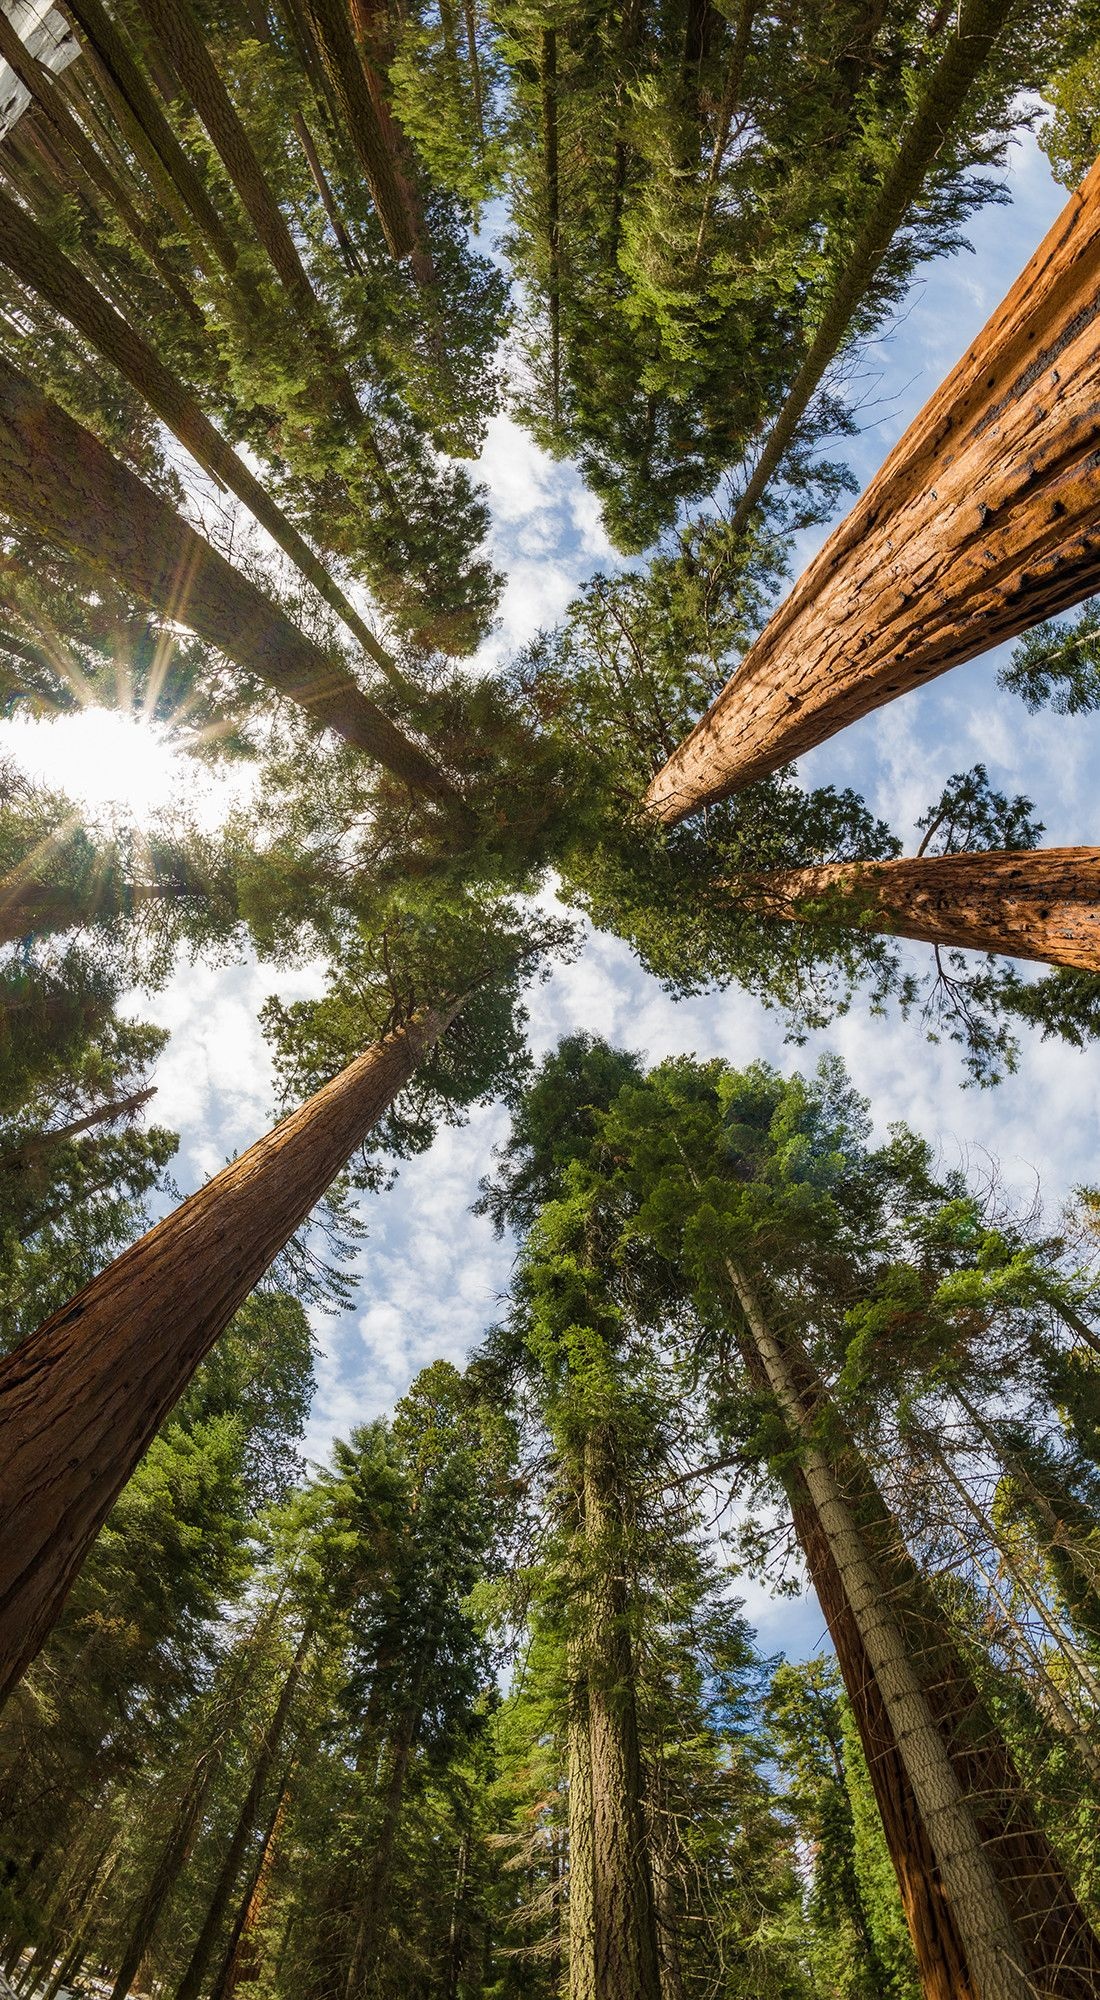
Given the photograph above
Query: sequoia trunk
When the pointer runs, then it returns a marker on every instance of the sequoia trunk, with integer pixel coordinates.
(1041, 903)
(82, 1399)
(982, 522)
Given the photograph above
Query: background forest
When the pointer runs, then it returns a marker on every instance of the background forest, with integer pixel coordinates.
(605, 1503)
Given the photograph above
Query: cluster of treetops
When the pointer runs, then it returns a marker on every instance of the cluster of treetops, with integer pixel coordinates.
(474, 1711)
(246, 339)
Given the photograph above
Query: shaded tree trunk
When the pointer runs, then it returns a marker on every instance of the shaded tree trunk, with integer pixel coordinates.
(191, 1982)
(34, 1146)
(549, 74)
(332, 31)
(236, 1960)
(1041, 903)
(582, 1907)
(36, 261)
(58, 479)
(82, 1399)
(170, 1863)
(148, 132)
(626, 1957)
(371, 1910)
(981, 523)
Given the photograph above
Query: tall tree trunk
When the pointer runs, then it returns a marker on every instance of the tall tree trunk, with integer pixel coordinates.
(582, 1904)
(1041, 903)
(29, 253)
(372, 1901)
(625, 1948)
(981, 523)
(332, 31)
(148, 132)
(33, 907)
(191, 1982)
(40, 81)
(1014, 1913)
(58, 479)
(170, 1863)
(234, 1965)
(82, 1399)
(976, 28)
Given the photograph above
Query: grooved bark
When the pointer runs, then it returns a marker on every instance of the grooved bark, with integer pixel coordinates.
(81, 1399)
(36, 261)
(582, 1940)
(331, 28)
(983, 521)
(57, 478)
(1041, 903)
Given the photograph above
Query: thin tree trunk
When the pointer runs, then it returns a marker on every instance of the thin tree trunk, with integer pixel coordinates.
(147, 130)
(33, 907)
(191, 1982)
(371, 1909)
(251, 1904)
(36, 261)
(731, 98)
(167, 1870)
(1041, 903)
(977, 26)
(331, 28)
(626, 1951)
(33, 1146)
(1014, 1912)
(82, 1399)
(58, 479)
(982, 522)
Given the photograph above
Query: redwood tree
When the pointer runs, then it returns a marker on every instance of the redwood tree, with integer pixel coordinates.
(981, 523)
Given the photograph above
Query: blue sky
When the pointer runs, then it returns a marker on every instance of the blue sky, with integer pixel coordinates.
(433, 1276)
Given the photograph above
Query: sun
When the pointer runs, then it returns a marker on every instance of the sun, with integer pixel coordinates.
(112, 761)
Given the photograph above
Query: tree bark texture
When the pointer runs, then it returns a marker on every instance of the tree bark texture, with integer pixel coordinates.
(1041, 903)
(984, 520)
(1012, 1911)
(36, 262)
(83, 1398)
(57, 478)
(582, 1915)
(331, 27)
(191, 1982)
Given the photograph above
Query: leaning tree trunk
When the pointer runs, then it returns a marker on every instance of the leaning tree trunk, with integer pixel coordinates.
(191, 1982)
(83, 1398)
(56, 478)
(970, 42)
(982, 522)
(1015, 1916)
(1041, 903)
(170, 1863)
(38, 263)
(624, 1918)
(332, 30)
(148, 133)
(238, 1956)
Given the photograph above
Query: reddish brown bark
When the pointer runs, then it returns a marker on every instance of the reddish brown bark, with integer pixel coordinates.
(983, 521)
(82, 1399)
(58, 479)
(1041, 903)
